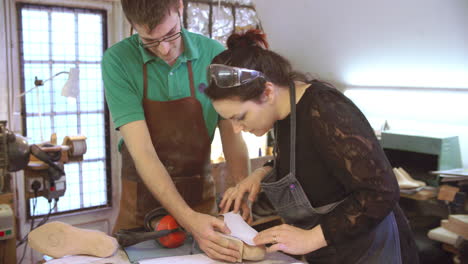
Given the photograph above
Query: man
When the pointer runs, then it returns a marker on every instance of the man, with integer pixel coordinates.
(152, 82)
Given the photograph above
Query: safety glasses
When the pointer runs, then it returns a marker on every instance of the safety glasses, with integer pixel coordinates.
(226, 76)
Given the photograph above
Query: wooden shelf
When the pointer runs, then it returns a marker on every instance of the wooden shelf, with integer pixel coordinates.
(267, 219)
(422, 195)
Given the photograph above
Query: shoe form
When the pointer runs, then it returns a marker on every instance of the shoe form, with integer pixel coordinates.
(403, 182)
(408, 177)
(57, 239)
(247, 252)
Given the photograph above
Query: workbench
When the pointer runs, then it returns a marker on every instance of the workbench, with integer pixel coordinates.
(222, 181)
(121, 258)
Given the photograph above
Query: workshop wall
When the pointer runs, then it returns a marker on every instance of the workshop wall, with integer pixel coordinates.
(417, 43)
(3, 67)
(3, 103)
(411, 48)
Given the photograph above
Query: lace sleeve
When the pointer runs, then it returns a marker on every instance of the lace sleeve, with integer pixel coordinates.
(347, 142)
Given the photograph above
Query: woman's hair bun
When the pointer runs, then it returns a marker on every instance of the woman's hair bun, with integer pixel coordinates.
(252, 37)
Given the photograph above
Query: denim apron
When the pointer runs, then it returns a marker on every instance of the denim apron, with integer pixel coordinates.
(292, 204)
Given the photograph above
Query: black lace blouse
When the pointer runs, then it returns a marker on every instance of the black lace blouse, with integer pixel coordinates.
(339, 156)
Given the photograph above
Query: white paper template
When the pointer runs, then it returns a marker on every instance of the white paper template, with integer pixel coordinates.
(239, 228)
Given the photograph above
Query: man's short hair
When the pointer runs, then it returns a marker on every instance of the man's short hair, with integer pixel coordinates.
(148, 12)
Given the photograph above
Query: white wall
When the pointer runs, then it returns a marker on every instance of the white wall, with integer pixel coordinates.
(4, 92)
(401, 45)
(353, 42)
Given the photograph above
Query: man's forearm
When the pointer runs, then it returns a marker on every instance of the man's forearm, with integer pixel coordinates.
(238, 165)
(235, 152)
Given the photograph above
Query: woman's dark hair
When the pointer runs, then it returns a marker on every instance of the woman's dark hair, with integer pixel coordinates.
(249, 50)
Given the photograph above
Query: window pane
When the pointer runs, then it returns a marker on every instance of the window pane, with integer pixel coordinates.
(94, 184)
(65, 125)
(90, 37)
(63, 36)
(223, 26)
(91, 88)
(72, 198)
(37, 94)
(198, 18)
(92, 125)
(41, 208)
(39, 129)
(61, 103)
(35, 29)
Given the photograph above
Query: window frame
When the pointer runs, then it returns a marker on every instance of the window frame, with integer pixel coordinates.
(107, 162)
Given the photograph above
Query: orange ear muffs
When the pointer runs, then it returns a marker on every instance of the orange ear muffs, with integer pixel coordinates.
(158, 220)
(172, 240)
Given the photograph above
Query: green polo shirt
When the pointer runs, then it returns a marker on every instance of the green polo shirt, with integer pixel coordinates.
(122, 72)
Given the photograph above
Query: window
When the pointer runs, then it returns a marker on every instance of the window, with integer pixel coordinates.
(52, 40)
(218, 20)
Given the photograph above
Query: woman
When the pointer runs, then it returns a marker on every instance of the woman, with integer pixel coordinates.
(330, 180)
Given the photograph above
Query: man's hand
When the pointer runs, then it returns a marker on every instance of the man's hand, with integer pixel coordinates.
(234, 196)
(203, 228)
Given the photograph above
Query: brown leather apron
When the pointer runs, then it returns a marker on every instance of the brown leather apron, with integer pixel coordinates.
(181, 140)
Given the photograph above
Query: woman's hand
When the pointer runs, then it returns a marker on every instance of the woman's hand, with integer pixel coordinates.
(291, 240)
(203, 227)
(250, 185)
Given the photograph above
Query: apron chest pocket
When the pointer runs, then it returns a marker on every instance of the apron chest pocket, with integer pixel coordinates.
(284, 193)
